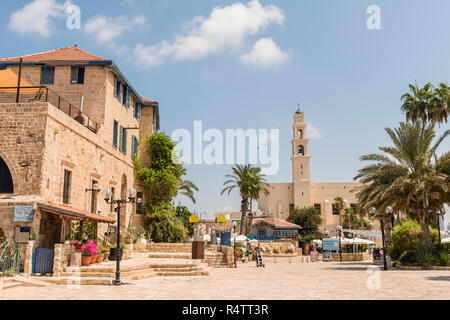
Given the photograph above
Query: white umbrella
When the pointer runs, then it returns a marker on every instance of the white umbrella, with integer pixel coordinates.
(240, 238)
(317, 241)
(362, 241)
(445, 240)
(207, 237)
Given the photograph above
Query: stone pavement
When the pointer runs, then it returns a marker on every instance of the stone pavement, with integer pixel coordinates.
(278, 280)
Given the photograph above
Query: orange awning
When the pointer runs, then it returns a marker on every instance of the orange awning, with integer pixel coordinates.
(9, 79)
(74, 214)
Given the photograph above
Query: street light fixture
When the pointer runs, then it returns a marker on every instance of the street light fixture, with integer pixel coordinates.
(109, 200)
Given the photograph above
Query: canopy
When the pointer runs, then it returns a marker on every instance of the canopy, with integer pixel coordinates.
(74, 214)
(362, 241)
(241, 238)
(445, 240)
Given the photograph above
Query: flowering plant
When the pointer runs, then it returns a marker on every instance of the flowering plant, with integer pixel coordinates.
(89, 249)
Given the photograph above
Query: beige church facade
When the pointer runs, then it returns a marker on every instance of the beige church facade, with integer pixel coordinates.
(301, 192)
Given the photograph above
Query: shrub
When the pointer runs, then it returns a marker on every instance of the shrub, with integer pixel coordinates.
(408, 257)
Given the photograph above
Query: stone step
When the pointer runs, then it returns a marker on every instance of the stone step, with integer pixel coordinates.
(88, 274)
(7, 284)
(141, 275)
(78, 280)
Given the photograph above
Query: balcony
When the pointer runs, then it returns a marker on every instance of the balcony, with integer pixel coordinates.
(264, 238)
(44, 94)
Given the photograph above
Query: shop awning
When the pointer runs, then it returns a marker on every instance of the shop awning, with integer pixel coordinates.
(74, 214)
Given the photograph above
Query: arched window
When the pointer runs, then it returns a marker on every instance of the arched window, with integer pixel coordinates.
(300, 134)
(301, 151)
(6, 182)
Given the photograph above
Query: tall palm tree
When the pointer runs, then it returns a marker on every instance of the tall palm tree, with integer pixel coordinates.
(339, 203)
(239, 180)
(258, 185)
(186, 187)
(427, 104)
(407, 176)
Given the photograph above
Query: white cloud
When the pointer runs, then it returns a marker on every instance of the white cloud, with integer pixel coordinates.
(313, 132)
(107, 29)
(36, 16)
(265, 52)
(225, 29)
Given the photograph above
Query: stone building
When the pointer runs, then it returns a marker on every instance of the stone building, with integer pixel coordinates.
(73, 134)
(301, 192)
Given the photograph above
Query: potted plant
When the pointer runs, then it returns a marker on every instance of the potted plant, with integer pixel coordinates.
(100, 254)
(141, 242)
(89, 253)
(113, 252)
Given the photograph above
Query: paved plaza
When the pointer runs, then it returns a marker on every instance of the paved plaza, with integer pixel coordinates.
(281, 279)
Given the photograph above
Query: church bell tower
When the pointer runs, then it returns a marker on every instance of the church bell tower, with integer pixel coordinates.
(300, 162)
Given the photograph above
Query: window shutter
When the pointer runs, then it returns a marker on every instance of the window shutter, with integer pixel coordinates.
(80, 78)
(115, 133)
(121, 138)
(124, 149)
(139, 112)
(74, 75)
(115, 86)
(128, 98)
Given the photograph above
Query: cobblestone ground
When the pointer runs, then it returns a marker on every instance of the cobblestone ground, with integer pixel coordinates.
(280, 279)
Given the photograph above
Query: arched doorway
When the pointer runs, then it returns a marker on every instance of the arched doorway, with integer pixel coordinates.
(6, 181)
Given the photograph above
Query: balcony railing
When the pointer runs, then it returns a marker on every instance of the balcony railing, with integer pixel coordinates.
(44, 94)
(264, 238)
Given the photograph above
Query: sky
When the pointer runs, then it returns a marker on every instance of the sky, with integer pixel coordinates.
(248, 64)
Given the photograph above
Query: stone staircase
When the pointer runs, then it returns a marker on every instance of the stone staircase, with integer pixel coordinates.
(134, 269)
(216, 259)
(8, 283)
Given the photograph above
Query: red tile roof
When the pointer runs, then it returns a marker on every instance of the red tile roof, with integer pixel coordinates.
(276, 222)
(72, 53)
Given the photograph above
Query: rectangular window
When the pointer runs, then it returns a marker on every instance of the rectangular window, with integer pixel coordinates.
(47, 75)
(77, 75)
(124, 94)
(66, 187)
(139, 208)
(123, 140)
(115, 133)
(317, 207)
(137, 110)
(118, 89)
(93, 198)
(128, 101)
(335, 210)
(134, 147)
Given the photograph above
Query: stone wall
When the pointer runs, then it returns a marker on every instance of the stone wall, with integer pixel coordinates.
(351, 256)
(61, 258)
(169, 247)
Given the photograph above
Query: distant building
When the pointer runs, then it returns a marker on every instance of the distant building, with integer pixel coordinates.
(301, 192)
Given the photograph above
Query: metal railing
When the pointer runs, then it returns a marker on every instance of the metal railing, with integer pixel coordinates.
(44, 94)
(9, 256)
(264, 238)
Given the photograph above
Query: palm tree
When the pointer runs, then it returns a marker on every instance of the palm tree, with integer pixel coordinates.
(408, 176)
(258, 185)
(186, 187)
(240, 180)
(339, 204)
(427, 104)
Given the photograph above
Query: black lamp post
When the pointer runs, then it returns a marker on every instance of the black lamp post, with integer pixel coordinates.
(119, 202)
(373, 211)
(439, 213)
(234, 243)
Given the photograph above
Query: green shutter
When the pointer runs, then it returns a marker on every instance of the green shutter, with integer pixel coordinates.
(115, 132)
(121, 139)
(124, 149)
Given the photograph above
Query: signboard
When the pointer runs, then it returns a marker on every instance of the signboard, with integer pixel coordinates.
(221, 219)
(194, 219)
(330, 244)
(238, 222)
(23, 213)
(327, 256)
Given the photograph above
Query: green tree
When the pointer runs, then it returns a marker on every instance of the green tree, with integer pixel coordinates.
(428, 104)
(309, 219)
(409, 176)
(162, 180)
(183, 214)
(240, 179)
(258, 185)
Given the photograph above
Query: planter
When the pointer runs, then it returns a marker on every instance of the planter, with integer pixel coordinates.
(99, 258)
(113, 254)
(85, 260)
(93, 259)
(140, 244)
(105, 256)
(129, 246)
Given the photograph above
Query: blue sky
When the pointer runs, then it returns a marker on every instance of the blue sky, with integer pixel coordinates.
(348, 78)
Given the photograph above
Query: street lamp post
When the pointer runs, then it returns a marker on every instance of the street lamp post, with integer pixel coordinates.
(389, 210)
(119, 202)
(439, 213)
(234, 243)
(339, 235)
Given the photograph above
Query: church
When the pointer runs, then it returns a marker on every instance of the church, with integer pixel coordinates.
(301, 192)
